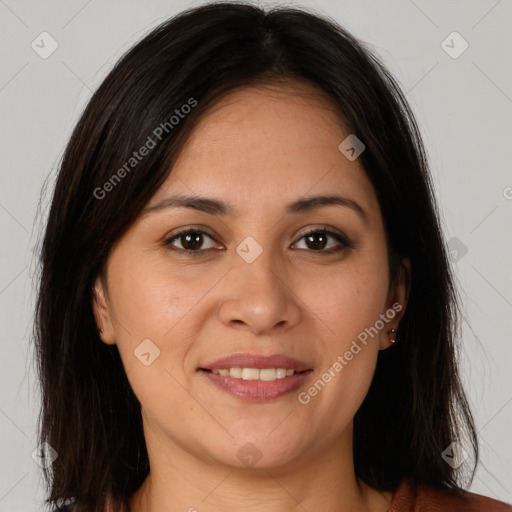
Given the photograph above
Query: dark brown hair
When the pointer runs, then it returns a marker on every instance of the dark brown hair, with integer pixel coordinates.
(415, 406)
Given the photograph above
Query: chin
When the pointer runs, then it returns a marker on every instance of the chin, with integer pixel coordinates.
(257, 452)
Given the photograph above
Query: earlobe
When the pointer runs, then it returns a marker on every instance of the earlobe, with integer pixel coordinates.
(101, 312)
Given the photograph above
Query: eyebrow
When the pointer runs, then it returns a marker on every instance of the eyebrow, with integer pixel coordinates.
(216, 207)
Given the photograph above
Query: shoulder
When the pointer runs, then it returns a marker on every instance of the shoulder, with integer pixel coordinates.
(415, 497)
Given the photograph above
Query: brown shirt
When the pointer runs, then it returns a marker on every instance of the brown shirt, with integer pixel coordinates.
(412, 497)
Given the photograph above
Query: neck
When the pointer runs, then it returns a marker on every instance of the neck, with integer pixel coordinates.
(323, 480)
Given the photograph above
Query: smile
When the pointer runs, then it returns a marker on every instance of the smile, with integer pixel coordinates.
(266, 374)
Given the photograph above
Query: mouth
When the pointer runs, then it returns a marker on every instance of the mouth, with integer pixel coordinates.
(263, 374)
(255, 377)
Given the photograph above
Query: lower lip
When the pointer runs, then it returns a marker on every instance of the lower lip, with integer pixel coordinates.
(258, 390)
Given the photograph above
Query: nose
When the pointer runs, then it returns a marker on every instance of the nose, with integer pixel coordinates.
(259, 298)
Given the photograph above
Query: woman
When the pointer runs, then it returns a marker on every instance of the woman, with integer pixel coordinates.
(245, 299)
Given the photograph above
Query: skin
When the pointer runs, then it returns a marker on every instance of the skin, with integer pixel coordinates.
(258, 149)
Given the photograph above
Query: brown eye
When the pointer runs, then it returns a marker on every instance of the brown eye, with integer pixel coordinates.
(317, 240)
(191, 241)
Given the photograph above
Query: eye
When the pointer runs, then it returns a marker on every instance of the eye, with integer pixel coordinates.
(190, 240)
(317, 241)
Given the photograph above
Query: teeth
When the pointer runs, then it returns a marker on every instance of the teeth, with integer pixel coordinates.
(248, 373)
(265, 374)
(235, 372)
(281, 373)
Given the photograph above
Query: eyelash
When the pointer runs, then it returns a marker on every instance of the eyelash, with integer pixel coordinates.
(343, 240)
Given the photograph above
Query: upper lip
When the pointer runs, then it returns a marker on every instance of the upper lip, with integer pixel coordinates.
(251, 360)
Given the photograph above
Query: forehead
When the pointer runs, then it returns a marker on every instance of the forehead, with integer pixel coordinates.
(284, 117)
(273, 142)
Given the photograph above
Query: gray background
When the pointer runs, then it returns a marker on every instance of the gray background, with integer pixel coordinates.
(463, 105)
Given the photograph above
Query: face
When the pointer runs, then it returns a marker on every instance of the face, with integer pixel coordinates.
(264, 273)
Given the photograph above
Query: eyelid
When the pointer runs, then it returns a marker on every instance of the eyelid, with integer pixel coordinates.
(195, 228)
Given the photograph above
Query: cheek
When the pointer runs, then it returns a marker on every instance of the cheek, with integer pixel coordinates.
(151, 303)
(146, 298)
(348, 304)
(350, 349)
(350, 299)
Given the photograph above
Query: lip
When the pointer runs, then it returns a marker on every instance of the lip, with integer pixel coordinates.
(257, 390)
(252, 360)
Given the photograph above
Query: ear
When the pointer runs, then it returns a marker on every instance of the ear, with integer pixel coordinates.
(396, 303)
(101, 312)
